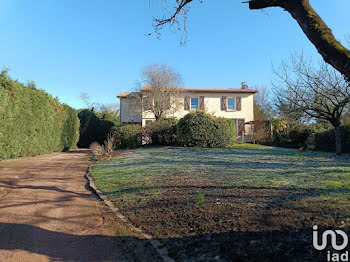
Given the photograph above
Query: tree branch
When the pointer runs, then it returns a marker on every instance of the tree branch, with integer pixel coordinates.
(261, 4)
(316, 30)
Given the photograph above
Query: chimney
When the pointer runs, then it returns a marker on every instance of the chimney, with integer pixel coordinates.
(244, 85)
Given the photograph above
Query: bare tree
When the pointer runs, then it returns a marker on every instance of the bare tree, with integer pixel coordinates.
(332, 51)
(289, 109)
(262, 104)
(87, 100)
(320, 93)
(162, 90)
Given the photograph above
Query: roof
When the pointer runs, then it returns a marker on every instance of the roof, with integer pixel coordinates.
(126, 94)
(212, 90)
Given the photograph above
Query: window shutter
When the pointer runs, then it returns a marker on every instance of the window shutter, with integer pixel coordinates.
(223, 103)
(149, 122)
(238, 103)
(201, 102)
(187, 103)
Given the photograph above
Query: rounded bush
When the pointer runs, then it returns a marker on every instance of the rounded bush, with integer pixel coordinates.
(127, 136)
(162, 132)
(199, 129)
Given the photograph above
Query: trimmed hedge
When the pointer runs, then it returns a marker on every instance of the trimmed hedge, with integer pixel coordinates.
(127, 136)
(325, 141)
(32, 122)
(92, 128)
(162, 132)
(199, 129)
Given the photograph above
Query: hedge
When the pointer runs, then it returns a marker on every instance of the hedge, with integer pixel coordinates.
(92, 128)
(33, 122)
(325, 141)
(199, 129)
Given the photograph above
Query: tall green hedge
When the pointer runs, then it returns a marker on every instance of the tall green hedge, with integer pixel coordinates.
(325, 141)
(199, 129)
(32, 122)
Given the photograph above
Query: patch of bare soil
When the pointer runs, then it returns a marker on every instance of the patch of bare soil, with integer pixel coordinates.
(233, 223)
(47, 214)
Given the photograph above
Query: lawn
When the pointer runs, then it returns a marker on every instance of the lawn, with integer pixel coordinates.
(243, 203)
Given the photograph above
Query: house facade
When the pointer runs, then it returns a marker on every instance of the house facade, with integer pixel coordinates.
(232, 103)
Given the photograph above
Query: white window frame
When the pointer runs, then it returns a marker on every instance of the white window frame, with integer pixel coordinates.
(234, 109)
(194, 109)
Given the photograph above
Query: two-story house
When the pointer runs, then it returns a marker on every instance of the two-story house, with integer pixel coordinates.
(232, 103)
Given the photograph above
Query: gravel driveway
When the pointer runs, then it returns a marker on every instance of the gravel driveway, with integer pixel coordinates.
(47, 214)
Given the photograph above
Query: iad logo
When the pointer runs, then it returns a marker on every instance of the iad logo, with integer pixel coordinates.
(333, 237)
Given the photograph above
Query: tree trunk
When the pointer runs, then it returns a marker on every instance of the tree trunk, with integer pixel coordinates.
(315, 29)
(338, 140)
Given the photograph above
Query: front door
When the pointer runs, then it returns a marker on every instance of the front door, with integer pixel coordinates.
(240, 126)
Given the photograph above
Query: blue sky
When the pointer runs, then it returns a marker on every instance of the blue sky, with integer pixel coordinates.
(100, 47)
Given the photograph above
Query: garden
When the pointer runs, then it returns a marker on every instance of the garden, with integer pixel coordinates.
(243, 203)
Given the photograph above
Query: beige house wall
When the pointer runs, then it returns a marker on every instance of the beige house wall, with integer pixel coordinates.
(129, 111)
(212, 105)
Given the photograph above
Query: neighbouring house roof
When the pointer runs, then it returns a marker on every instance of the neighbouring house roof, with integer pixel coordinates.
(212, 90)
(126, 94)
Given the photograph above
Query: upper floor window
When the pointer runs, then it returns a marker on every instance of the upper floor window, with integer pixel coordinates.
(194, 103)
(231, 103)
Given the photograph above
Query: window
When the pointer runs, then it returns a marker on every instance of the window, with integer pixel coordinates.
(194, 103)
(231, 103)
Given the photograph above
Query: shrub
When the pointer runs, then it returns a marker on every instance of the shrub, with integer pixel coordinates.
(296, 136)
(325, 141)
(127, 136)
(104, 150)
(32, 122)
(92, 128)
(203, 130)
(260, 133)
(161, 132)
(109, 144)
(96, 149)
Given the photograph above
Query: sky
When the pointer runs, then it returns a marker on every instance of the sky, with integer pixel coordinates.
(100, 47)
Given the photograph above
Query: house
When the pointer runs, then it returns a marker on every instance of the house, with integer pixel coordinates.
(232, 103)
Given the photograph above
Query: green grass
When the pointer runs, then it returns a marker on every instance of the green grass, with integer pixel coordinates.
(146, 173)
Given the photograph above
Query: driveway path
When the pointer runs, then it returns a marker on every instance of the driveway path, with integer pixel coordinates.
(46, 214)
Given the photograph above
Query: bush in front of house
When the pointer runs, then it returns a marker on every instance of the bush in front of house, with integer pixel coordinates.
(325, 141)
(161, 132)
(32, 122)
(127, 136)
(199, 129)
